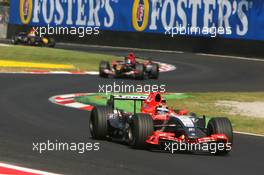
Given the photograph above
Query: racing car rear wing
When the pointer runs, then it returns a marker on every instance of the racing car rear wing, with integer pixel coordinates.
(113, 98)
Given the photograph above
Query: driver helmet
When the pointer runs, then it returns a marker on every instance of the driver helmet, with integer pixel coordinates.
(162, 109)
(119, 112)
(32, 32)
(131, 58)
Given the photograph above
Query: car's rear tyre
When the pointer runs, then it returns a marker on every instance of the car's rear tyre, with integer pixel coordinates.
(14, 40)
(104, 65)
(221, 125)
(140, 71)
(98, 123)
(141, 126)
(31, 41)
(154, 73)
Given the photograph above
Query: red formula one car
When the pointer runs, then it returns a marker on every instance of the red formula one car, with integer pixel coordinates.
(158, 126)
(129, 68)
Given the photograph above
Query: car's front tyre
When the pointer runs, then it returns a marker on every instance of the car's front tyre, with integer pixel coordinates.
(141, 126)
(221, 125)
(154, 72)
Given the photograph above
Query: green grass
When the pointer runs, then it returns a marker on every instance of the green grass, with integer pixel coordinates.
(201, 104)
(204, 104)
(82, 61)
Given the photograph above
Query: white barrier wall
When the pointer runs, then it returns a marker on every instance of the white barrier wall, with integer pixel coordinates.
(4, 18)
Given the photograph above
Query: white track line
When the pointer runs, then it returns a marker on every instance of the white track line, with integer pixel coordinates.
(123, 48)
(26, 170)
(5, 45)
(247, 133)
(232, 57)
(166, 51)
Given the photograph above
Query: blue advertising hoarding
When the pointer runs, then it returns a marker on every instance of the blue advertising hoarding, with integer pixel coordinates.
(242, 19)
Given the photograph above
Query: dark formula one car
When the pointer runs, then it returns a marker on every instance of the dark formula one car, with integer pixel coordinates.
(129, 68)
(157, 126)
(24, 39)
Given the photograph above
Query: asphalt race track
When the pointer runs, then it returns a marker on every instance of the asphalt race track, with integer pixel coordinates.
(27, 116)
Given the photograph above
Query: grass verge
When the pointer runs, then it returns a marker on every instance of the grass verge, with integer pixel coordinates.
(81, 61)
(203, 104)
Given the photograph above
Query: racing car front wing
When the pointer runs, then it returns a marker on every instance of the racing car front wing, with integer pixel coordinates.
(158, 136)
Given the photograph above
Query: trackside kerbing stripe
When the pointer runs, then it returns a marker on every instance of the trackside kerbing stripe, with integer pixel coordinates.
(7, 169)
